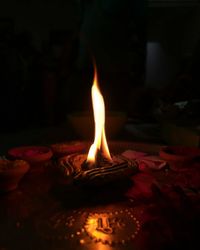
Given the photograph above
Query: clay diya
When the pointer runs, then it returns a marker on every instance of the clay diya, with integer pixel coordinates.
(62, 149)
(103, 172)
(37, 156)
(11, 172)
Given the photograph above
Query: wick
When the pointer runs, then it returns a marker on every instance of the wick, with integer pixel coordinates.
(100, 161)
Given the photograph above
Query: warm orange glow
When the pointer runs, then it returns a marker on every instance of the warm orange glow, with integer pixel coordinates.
(100, 142)
(99, 231)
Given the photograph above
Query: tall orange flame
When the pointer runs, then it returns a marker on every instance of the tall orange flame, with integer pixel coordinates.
(100, 143)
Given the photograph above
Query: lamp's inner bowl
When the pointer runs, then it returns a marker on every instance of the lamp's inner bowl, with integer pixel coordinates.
(75, 166)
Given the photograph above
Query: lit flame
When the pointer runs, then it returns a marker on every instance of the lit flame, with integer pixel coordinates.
(100, 143)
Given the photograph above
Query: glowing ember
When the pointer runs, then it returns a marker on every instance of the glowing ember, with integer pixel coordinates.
(100, 145)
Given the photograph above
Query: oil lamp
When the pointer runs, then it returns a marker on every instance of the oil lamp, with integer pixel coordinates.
(98, 166)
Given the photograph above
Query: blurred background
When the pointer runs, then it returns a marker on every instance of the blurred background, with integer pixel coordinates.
(147, 56)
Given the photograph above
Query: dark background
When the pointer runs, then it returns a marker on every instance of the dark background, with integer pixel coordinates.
(144, 51)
